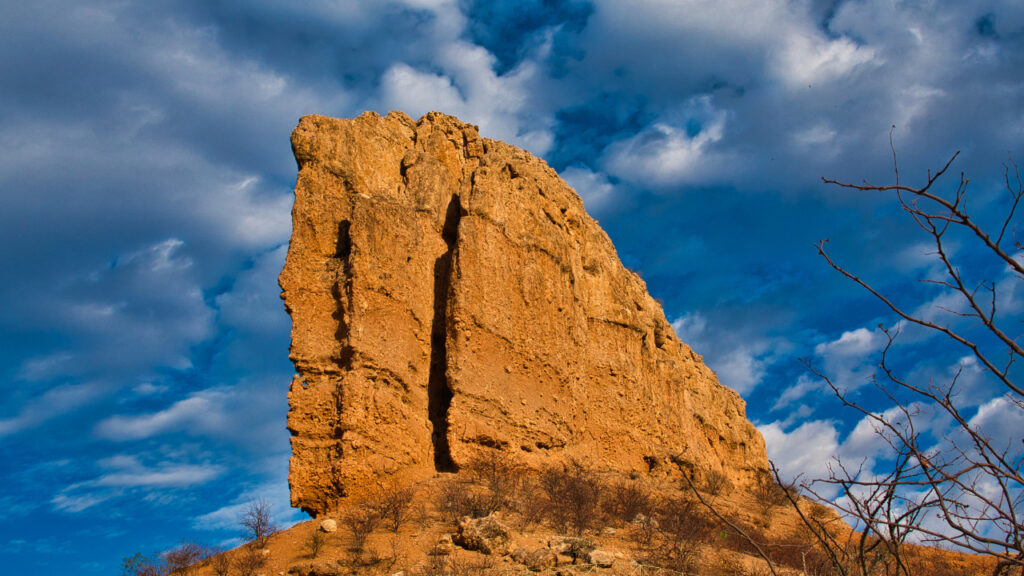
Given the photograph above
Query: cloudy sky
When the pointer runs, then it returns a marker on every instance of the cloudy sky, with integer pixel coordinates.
(146, 181)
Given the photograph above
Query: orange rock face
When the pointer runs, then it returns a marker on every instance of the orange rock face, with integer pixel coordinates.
(449, 292)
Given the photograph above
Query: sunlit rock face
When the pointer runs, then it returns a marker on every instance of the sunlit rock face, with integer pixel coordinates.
(449, 292)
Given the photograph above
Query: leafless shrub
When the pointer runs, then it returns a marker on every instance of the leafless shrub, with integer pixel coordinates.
(393, 505)
(675, 540)
(572, 493)
(183, 559)
(715, 481)
(958, 488)
(220, 563)
(500, 474)
(257, 522)
(457, 498)
(139, 564)
(249, 561)
(531, 506)
(315, 543)
(768, 493)
(625, 499)
(361, 520)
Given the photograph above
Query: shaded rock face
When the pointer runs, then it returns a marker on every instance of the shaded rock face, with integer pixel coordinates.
(449, 292)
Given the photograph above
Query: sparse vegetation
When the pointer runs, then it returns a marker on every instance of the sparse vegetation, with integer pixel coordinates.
(393, 504)
(663, 526)
(139, 564)
(220, 563)
(572, 493)
(501, 476)
(316, 542)
(183, 559)
(258, 522)
(715, 481)
(455, 565)
(671, 539)
(362, 520)
(457, 498)
(248, 561)
(768, 493)
(626, 499)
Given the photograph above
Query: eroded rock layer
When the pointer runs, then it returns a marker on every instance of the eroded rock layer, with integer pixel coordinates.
(449, 292)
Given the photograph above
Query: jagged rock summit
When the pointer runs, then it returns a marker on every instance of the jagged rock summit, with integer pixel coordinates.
(449, 292)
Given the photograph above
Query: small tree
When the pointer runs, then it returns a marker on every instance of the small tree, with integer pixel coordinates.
(257, 522)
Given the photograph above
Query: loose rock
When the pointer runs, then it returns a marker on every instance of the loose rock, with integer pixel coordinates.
(487, 535)
(601, 558)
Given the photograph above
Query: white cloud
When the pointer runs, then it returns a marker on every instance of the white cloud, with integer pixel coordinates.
(128, 472)
(254, 303)
(668, 153)
(55, 402)
(804, 385)
(739, 369)
(113, 308)
(201, 412)
(808, 57)
(467, 86)
(805, 450)
(597, 192)
(740, 363)
(850, 360)
(127, 475)
(690, 327)
(1001, 419)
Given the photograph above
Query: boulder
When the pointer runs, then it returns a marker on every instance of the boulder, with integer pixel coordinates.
(487, 535)
(601, 558)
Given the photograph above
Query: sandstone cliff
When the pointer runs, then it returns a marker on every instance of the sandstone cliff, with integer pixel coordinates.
(449, 292)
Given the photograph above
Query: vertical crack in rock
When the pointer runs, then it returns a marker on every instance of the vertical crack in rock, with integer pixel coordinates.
(342, 292)
(438, 393)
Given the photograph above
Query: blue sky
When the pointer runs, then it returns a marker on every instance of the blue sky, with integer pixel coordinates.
(146, 179)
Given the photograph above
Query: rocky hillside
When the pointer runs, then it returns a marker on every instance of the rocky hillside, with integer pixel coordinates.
(449, 292)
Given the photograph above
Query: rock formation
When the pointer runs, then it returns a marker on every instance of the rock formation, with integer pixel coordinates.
(449, 292)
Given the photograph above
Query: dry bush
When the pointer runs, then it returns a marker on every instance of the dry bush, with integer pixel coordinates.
(139, 564)
(315, 543)
(381, 561)
(500, 474)
(220, 563)
(393, 505)
(258, 522)
(531, 506)
(673, 541)
(626, 499)
(715, 481)
(184, 558)
(249, 561)
(573, 493)
(361, 521)
(456, 499)
(768, 493)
